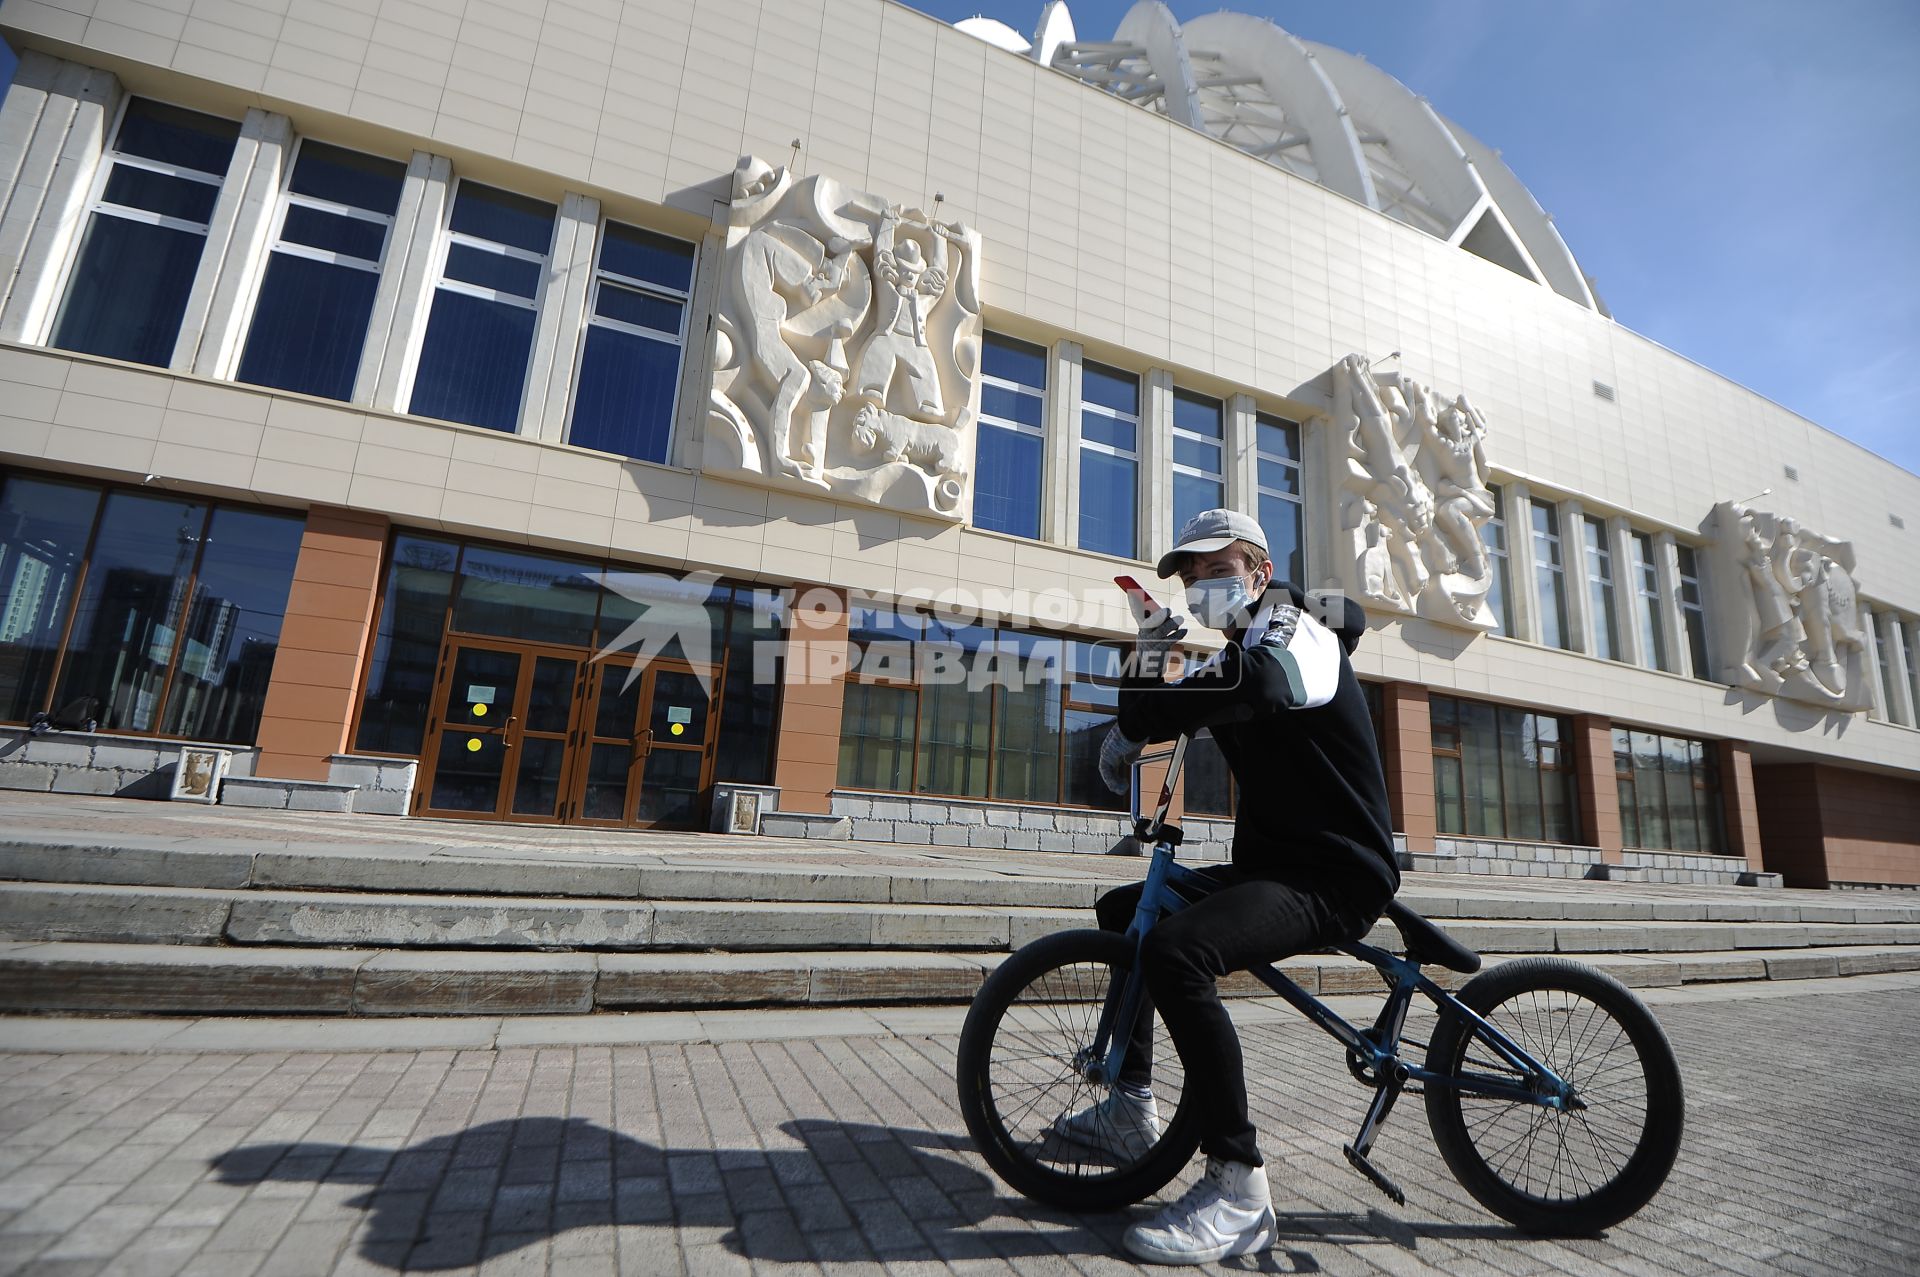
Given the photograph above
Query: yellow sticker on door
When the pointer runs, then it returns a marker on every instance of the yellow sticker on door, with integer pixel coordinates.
(678, 729)
(480, 711)
(473, 744)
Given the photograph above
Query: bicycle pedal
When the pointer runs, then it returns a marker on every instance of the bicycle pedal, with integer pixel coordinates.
(1372, 1172)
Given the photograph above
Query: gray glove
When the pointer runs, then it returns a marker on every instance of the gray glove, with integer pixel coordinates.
(1117, 753)
(1159, 635)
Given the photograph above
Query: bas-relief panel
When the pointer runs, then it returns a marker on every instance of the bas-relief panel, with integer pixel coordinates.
(846, 346)
(1786, 617)
(1410, 495)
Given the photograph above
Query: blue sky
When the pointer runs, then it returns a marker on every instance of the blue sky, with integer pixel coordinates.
(1740, 177)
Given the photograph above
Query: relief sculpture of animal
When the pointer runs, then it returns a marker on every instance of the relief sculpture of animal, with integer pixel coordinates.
(934, 448)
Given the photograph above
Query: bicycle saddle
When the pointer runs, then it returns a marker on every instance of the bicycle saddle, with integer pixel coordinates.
(1427, 943)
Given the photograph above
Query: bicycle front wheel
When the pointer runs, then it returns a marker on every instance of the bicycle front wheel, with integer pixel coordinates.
(1022, 1065)
(1554, 1172)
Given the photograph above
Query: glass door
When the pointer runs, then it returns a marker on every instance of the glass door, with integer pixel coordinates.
(498, 746)
(647, 747)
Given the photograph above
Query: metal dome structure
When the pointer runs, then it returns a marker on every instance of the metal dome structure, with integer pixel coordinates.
(1319, 113)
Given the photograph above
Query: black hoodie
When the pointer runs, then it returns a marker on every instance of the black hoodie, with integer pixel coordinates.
(1313, 796)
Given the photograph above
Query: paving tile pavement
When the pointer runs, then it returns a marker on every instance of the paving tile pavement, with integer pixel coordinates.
(843, 1152)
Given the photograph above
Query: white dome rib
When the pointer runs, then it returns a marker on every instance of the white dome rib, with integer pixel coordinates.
(1294, 81)
(1325, 115)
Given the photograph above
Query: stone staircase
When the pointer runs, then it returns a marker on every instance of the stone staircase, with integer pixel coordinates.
(159, 927)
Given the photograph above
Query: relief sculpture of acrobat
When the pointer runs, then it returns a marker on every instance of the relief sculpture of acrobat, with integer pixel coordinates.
(1410, 474)
(1791, 626)
(846, 345)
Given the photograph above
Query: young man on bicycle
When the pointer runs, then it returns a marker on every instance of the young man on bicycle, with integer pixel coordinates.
(1312, 863)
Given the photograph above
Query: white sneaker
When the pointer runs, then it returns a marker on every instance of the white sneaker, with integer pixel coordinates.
(1228, 1212)
(1120, 1126)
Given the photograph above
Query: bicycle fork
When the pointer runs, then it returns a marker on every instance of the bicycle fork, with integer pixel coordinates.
(1392, 1079)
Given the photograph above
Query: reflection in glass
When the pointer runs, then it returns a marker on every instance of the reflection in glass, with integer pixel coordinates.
(127, 621)
(528, 597)
(1209, 783)
(536, 783)
(670, 789)
(406, 649)
(1107, 503)
(876, 736)
(466, 776)
(43, 540)
(232, 627)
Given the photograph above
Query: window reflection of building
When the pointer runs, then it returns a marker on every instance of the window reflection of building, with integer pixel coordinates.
(177, 616)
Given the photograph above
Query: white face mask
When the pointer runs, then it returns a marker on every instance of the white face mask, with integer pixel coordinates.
(1223, 603)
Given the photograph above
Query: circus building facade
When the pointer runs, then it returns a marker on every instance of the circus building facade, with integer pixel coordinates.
(649, 414)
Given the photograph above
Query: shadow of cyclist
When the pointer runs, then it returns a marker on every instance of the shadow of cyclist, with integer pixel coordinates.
(849, 1192)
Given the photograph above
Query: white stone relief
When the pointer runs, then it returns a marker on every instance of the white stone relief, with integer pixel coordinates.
(1786, 616)
(846, 346)
(1410, 484)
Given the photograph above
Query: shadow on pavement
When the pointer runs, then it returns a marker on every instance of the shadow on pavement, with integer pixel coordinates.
(851, 1192)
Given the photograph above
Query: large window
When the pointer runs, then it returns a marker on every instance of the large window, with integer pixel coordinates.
(330, 241)
(1493, 535)
(1693, 615)
(1886, 635)
(1109, 459)
(1008, 464)
(1912, 630)
(1277, 449)
(1199, 440)
(630, 357)
(972, 711)
(1501, 772)
(1646, 588)
(1600, 591)
(1549, 575)
(1669, 792)
(161, 611)
(473, 361)
(146, 229)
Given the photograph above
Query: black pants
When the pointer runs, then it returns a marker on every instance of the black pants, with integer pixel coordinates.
(1235, 921)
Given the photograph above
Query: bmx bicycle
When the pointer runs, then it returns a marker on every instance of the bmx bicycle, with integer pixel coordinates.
(1551, 1091)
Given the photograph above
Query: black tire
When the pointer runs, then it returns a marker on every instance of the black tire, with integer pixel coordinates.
(1550, 1172)
(1016, 1076)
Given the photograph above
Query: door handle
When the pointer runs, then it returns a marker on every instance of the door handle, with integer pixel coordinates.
(643, 743)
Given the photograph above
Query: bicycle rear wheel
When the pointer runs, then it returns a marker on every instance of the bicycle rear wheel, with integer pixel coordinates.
(1558, 1173)
(1020, 1074)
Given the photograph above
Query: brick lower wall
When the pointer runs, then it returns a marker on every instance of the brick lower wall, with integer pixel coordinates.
(1821, 825)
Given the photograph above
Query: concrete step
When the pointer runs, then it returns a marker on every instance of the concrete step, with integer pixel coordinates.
(143, 979)
(124, 860)
(191, 916)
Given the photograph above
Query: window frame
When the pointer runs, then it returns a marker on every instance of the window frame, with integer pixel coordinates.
(1709, 810)
(1085, 444)
(1693, 612)
(1298, 497)
(445, 238)
(1217, 442)
(276, 242)
(1603, 588)
(592, 317)
(1646, 593)
(1455, 753)
(109, 159)
(1553, 541)
(1499, 552)
(1039, 432)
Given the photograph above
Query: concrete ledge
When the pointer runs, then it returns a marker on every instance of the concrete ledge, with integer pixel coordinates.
(286, 795)
(800, 824)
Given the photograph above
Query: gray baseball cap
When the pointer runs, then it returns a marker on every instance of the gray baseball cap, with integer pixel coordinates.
(1211, 530)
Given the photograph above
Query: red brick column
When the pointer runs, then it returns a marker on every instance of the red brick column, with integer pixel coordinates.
(1407, 751)
(807, 755)
(1597, 786)
(1739, 801)
(323, 640)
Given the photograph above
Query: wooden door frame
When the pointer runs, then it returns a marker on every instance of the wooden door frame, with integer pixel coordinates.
(530, 653)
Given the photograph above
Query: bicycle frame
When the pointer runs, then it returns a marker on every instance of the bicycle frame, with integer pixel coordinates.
(1376, 1049)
